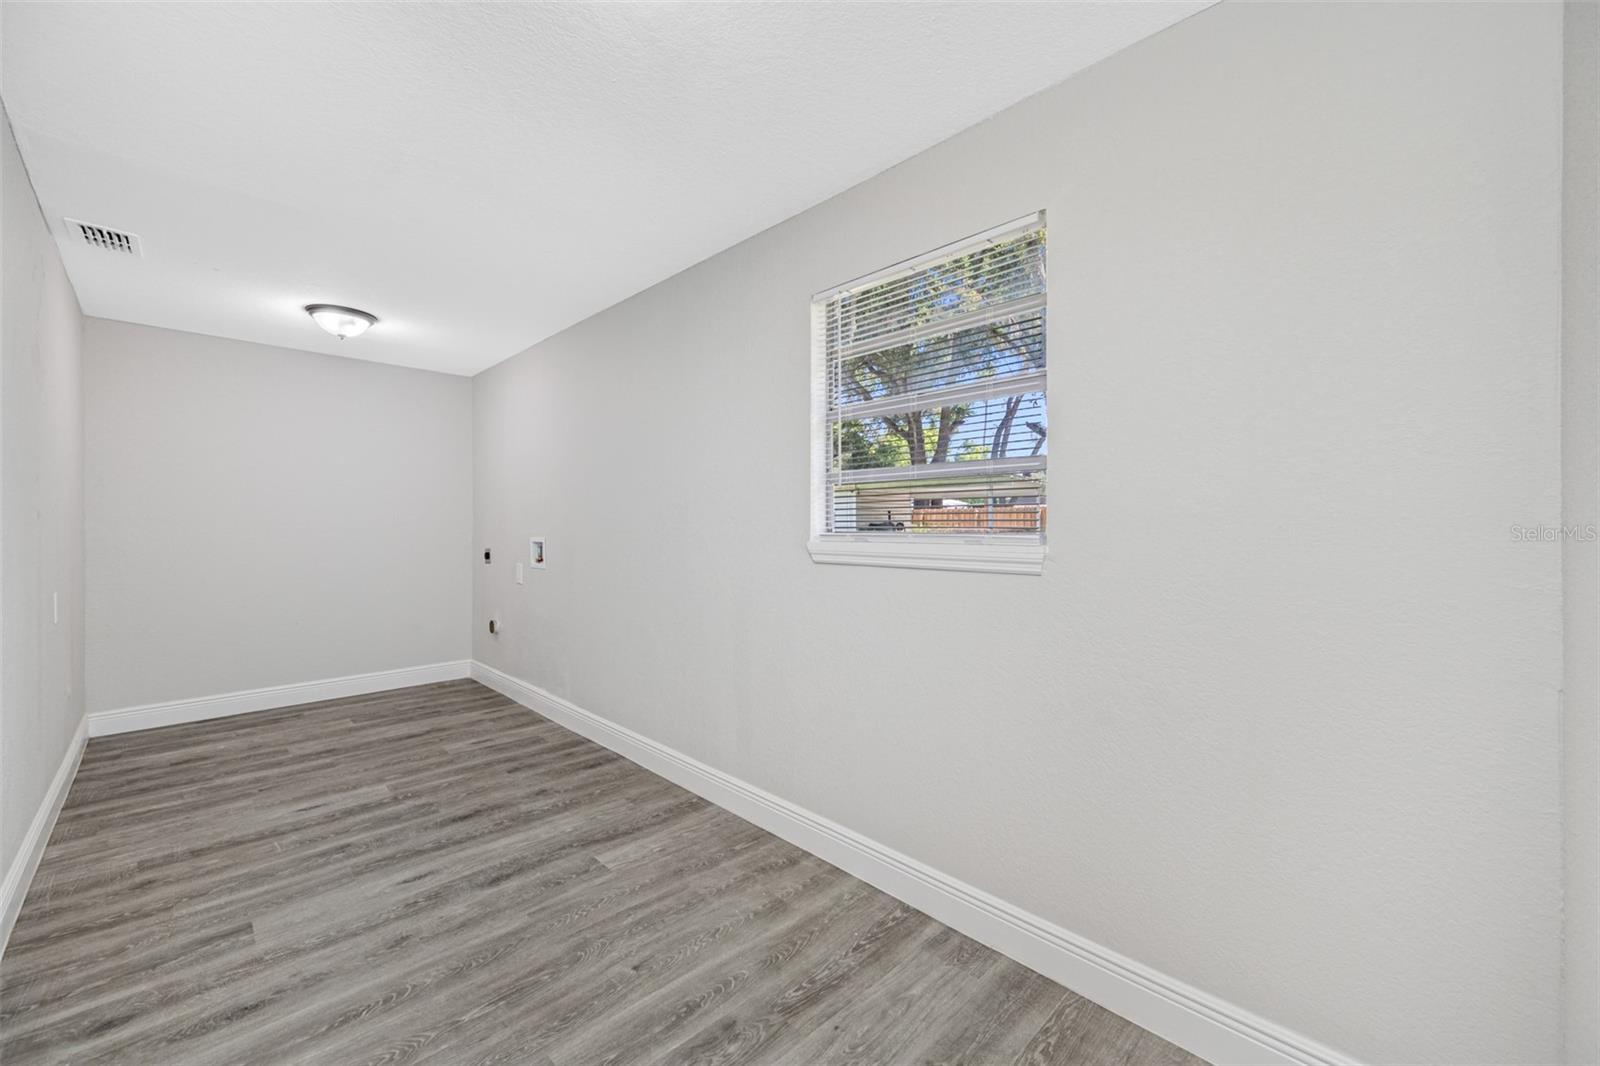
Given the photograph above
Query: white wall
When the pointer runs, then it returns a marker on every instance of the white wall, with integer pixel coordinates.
(1281, 717)
(41, 506)
(259, 516)
(1580, 489)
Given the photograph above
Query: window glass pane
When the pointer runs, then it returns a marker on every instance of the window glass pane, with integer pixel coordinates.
(966, 357)
(1001, 427)
(935, 397)
(1005, 505)
(957, 286)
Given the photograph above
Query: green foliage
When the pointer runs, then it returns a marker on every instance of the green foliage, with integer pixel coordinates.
(878, 442)
(918, 437)
(858, 449)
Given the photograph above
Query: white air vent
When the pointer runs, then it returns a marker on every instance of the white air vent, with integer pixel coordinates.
(112, 240)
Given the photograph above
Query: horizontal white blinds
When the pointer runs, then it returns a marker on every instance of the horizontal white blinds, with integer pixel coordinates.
(935, 393)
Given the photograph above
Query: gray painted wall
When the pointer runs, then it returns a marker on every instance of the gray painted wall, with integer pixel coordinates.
(41, 506)
(1281, 717)
(259, 516)
(1580, 489)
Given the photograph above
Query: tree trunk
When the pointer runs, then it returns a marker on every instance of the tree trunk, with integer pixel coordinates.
(1002, 433)
(915, 439)
(948, 421)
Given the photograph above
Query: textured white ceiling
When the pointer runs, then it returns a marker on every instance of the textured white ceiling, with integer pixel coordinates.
(481, 176)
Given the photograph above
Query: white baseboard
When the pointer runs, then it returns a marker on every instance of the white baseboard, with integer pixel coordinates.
(200, 708)
(26, 861)
(1203, 1024)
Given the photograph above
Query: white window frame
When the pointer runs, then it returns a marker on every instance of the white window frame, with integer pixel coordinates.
(998, 553)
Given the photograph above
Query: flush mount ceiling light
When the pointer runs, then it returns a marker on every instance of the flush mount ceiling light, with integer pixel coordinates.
(342, 322)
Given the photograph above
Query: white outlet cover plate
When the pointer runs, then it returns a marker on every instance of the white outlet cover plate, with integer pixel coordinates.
(536, 553)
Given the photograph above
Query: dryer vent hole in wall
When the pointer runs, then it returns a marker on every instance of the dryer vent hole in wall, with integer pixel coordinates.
(494, 627)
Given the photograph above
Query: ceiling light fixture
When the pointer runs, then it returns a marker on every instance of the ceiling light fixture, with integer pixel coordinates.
(342, 322)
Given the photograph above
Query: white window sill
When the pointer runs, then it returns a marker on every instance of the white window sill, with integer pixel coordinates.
(929, 553)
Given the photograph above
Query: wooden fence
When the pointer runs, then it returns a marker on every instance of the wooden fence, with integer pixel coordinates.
(1003, 518)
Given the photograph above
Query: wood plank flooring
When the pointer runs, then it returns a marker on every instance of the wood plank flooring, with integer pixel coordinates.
(438, 875)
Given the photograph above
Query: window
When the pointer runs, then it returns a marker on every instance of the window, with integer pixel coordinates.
(930, 434)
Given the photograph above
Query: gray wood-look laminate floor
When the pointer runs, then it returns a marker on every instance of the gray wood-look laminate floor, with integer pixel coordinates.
(438, 875)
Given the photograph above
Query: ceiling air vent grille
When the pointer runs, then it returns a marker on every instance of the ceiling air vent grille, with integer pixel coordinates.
(112, 240)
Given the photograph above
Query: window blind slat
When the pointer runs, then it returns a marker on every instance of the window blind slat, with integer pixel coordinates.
(985, 357)
(923, 331)
(999, 271)
(994, 235)
(935, 297)
(953, 395)
(946, 471)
